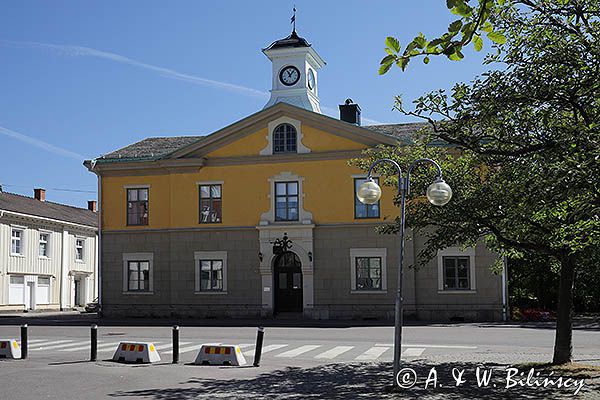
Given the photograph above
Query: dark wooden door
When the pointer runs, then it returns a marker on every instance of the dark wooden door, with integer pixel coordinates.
(288, 283)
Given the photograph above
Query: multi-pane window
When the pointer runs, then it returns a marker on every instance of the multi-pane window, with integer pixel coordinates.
(456, 273)
(16, 241)
(364, 210)
(138, 276)
(137, 206)
(210, 204)
(211, 275)
(43, 249)
(368, 273)
(284, 139)
(79, 245)
(286, 201)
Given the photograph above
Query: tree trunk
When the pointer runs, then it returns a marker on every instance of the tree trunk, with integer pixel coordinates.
(563, 345)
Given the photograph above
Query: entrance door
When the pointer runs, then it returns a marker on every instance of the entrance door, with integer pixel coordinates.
(288, 283)
(30, 296)
(77, 283)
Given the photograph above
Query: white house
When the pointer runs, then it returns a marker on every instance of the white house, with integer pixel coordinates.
(48, 253)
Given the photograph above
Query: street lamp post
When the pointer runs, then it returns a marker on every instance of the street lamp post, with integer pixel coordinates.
(439, 193)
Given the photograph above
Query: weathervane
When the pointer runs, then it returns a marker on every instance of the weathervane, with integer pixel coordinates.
(293, 21)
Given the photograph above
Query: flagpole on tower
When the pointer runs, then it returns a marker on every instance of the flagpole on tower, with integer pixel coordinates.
(294, 20)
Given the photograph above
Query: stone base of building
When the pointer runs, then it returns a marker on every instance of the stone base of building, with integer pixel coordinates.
(331, 312)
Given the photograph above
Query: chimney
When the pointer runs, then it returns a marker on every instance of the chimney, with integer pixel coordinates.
(350, 112)
(92, 205)
(39, 194)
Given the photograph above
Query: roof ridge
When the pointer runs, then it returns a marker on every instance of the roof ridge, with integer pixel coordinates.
(45, 201)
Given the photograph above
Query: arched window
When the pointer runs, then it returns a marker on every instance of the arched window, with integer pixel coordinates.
(284, 139)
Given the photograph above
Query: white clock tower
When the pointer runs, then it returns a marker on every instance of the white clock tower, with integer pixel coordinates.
(295, 66)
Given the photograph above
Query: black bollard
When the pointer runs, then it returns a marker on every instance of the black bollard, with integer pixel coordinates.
(24, 345)
(259, 343)
(175, 344)
(94, 342)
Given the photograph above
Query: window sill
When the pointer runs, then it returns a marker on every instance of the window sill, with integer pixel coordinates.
(80, 261)
(457, 291)
(136, 293)
(43, 257)
(210, 292)
(368, 292)
(17, 255)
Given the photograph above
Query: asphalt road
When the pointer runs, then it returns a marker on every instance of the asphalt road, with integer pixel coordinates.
(58, 366)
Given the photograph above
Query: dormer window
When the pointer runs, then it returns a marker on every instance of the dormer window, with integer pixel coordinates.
(284, 139)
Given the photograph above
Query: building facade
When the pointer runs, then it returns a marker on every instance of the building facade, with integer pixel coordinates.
(48, 254)
(194, 226)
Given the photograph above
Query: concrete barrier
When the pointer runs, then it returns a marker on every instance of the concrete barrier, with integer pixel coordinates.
(9, 348)
(136, 352)
(221, 354)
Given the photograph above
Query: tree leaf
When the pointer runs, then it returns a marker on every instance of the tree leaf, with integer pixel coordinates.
(385, 68)
(389, 59)
(497, 37)
(477, 43)
(457, 55)
(463, 10)
(455, 26)
(487, 27)
(426, 60)
(393, 43)
(420, 41)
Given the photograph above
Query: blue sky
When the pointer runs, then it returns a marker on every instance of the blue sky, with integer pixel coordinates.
(82, 78)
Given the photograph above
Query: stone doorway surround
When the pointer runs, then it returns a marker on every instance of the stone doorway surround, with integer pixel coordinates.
(301, 236)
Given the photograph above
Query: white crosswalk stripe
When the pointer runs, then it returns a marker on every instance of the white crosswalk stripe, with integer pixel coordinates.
(266, 349)
(298, 351)
(186, 349)
(87, 347)
(62, 346)
(333, 353)
(170, 346)
(372, 354)
(413, 351)
(44, 345)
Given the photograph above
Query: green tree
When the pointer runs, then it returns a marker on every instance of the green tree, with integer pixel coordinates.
(528, 132)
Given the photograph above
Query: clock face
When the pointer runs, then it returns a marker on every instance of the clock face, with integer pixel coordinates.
(311, 79)
(289, 75)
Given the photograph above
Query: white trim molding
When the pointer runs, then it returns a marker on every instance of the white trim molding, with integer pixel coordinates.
(210, 255)
(138, 257)
(456, 252)
(210, 183)
(300, 147)
(142, 186)
(368, 252)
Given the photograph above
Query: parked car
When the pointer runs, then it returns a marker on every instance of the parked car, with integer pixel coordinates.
(94, 306)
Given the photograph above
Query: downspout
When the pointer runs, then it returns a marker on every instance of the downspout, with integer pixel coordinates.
(504, 289)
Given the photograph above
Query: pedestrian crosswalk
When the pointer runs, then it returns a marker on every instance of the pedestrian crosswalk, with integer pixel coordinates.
(326, 352)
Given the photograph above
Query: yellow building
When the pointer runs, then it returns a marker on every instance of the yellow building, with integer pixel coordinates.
(194, 225)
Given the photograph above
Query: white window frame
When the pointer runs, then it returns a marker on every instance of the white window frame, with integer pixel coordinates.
(82, 259)
(304, 217)
(21, 229)
(368, 252)
(210, 255)
(48, 240)
(138, 257)
(456, 252)
(300, 147)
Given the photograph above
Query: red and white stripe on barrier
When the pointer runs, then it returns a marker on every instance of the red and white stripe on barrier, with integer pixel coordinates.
(136, 352)
(9, 348)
